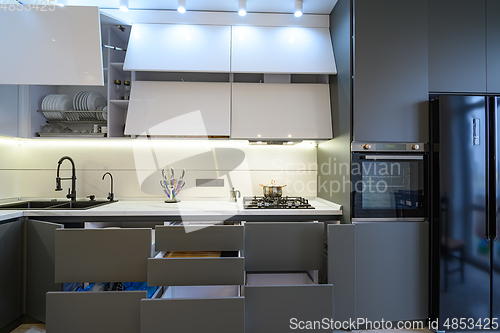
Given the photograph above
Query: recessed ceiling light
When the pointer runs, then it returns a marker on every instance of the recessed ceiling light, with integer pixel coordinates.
(242, 7)
(181, 6)
(124, 5)
(298, 8)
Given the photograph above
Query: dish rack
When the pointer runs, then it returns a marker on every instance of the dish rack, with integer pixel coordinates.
(94, 117)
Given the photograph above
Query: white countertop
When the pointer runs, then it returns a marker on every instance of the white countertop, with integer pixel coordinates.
(218, 209)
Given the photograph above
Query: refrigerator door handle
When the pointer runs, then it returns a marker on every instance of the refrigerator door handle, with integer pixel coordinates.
(491, 165)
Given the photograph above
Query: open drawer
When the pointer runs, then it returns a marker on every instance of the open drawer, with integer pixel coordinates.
(273, 299)
(102, 255)
(188, 309)
(199, 237)
(228, 269)
(96, 312)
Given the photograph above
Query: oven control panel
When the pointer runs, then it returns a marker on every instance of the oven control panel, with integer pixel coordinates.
(389, 146)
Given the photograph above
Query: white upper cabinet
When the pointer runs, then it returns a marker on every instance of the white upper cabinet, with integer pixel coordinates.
(179, 109)
(175, 48)
(291, 50)
(59, 47)
(281, 111)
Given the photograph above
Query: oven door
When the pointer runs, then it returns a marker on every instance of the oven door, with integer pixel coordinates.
(389, 186)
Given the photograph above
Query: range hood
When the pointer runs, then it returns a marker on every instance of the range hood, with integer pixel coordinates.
(235, 49)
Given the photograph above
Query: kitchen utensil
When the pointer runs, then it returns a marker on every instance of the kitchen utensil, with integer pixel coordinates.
(232, 195)
(172, 174)
(182, 174)
(272, 190)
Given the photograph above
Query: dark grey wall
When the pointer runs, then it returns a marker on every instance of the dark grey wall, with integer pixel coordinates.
(457, 45)
(390, 71)
(338, 151)
(493, 46)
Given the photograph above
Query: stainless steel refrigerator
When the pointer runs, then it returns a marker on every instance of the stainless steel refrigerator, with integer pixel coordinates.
(465, 249)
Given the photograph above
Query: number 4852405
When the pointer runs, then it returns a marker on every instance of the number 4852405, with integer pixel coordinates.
(27, 5)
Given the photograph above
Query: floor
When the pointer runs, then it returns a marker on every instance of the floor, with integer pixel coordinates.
(37, 328)
(30, 328)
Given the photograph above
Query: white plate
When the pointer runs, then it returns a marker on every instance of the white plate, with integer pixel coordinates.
(64, 103)
(47, 104)
(95, 100)
(79, 100)
(52, 105)
(76, 99)
(84, 101)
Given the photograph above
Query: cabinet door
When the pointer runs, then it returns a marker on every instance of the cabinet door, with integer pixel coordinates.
(10, 276)
(9, 104)
(457, 46)
(493, 49)
(390, 71)
(281, 111)
(282, 50)
(40, 266)
(189, 48)
(179, 109)
(53, 45)
(392, 270)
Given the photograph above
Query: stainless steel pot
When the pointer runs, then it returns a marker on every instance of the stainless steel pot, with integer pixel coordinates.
(272, 190)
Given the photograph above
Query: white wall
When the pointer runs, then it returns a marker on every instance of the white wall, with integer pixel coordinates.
(9, 165)
(133, 164)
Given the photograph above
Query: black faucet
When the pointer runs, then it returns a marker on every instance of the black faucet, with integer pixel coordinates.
(111, 195)
(71, 195)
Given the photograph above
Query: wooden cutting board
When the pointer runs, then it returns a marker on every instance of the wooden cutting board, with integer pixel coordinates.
(192, 254)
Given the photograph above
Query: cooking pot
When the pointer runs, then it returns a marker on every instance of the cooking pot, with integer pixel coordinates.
(272, 190)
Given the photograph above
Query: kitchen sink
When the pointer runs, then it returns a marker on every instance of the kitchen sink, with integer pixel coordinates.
(49, 205)
(81, 205)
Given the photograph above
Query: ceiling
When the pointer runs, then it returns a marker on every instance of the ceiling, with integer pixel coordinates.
(253, 6)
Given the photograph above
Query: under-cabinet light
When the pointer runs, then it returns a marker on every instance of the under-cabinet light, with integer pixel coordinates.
(242, 7)
(298, 8)
(181, 6)
(124, 5)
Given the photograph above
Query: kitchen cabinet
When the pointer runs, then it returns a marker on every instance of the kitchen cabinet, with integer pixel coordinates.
(341, 260)
(42, 44)
(280, 282)
(281, 111)
(493, 46)
(98, 255)
(392, 270)
(176, 47)
(282, 50)
(390, 82)
(9, 105)
(11, 276)
(40, 266)
(205, 288)
(179, 109)
(457, 46)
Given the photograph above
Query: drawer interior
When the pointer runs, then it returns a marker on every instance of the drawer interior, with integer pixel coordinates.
(197, 254)
(178, 292)
(278, 279)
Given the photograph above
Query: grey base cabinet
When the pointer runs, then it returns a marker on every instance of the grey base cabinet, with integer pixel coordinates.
(10, 274)
(40, 266)
(94, 312)
(282, 308)
(392, 270)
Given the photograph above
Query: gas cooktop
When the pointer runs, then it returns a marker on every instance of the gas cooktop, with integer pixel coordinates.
(276, 203)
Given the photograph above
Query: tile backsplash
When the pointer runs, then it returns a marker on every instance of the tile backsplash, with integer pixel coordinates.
(28, 167)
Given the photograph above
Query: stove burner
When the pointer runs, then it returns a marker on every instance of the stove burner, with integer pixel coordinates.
(276, 203)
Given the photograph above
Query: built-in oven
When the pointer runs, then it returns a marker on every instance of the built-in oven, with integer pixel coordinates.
(389, 182)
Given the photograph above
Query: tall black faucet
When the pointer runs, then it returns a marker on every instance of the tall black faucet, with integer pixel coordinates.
(111, 195)
(71, 195)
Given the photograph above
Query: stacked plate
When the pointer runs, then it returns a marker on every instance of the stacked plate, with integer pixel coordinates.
(56, 102)
(88, 101)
